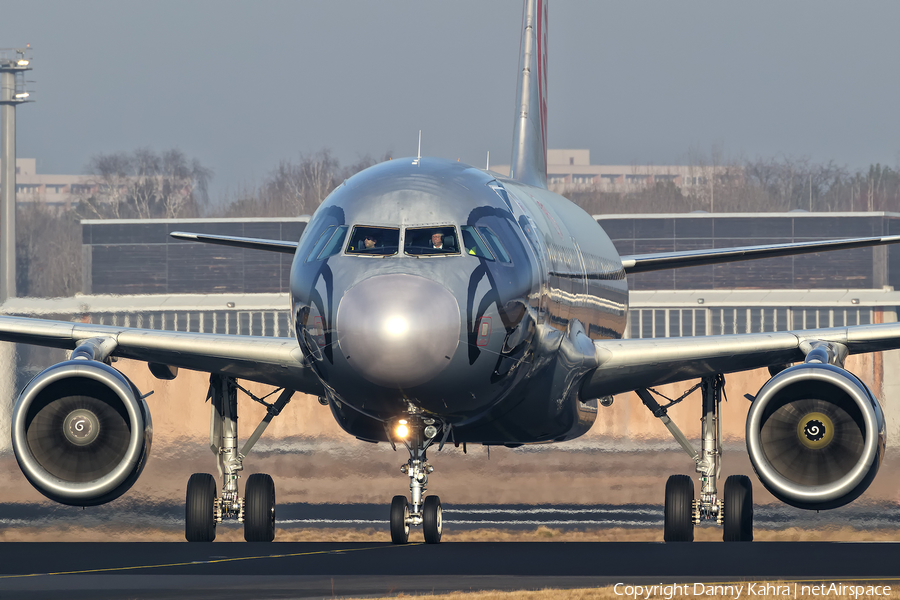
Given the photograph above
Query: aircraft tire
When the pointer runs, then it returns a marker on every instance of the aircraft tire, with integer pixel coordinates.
(679, 521)
(399, 520)
(259, 508)
(199, 519)
(738, 509)
(432, 520)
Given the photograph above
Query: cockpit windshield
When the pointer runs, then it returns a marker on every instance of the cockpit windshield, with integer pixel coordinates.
(374, 241)
(474, 244)
(430, 241)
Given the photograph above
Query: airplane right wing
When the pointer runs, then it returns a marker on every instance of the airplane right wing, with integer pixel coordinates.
(629, 364)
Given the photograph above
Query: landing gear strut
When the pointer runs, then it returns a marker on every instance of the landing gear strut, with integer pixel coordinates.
(735, 510)
(420, 433)
(204, 509)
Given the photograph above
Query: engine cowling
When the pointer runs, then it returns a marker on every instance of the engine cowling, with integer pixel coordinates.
(81, 433)
(815, 435)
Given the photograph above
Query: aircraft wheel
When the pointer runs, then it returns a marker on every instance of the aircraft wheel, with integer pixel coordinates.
(259, 508)
(399, 520)
(432, 520)
(738, 509)
(679, 517)
(199, 518)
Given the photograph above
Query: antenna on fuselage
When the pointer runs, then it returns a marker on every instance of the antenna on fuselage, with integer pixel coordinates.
(488, 166)
(419, 151)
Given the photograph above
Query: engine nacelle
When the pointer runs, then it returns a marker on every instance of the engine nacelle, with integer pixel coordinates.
(81, 433)
(815, 434)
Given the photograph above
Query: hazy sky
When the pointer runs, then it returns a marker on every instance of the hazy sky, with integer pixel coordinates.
(242, 85)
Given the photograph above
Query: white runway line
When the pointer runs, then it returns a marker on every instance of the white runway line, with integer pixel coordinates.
(555, 511)
(467, 522)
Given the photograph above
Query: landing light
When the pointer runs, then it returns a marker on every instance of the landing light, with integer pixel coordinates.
(22, 95)
(22, 62)
(396, 326)
(402, 430)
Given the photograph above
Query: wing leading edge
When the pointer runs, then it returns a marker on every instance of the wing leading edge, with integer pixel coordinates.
(274, 361)
(626, 365)
(238, 242)
(642, 263)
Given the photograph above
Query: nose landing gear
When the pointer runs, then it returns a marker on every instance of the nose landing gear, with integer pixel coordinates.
(417, 433)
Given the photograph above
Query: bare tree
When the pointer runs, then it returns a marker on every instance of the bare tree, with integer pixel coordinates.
(143, 185)
(48, 251)
(295, 187)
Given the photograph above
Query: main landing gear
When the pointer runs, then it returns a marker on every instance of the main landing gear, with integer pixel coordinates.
(256, 510)
(417, 433)
(734, 511)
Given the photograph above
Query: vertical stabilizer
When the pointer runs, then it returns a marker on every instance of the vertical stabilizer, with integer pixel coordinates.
(529, 155)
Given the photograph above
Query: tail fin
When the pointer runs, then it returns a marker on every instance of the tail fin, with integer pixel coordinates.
(529, 156)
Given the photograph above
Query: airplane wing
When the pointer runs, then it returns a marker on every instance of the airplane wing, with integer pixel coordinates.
(270, 360)
(641, 263)
(625, 365)
(238, 242)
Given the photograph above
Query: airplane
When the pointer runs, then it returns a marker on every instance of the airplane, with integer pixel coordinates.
(437, 303)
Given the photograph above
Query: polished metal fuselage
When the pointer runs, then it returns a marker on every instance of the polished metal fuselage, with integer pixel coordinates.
(496, 348)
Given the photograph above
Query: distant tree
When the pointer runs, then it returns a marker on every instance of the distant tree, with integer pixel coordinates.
(143, 184)
(295, 187)
(48, 251)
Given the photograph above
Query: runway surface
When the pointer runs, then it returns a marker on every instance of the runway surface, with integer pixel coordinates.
(302, 570)
(325, 569)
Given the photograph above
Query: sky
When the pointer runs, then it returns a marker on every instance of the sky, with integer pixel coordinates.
(243, 85)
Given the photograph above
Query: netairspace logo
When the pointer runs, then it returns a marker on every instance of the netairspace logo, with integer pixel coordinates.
(739, 590)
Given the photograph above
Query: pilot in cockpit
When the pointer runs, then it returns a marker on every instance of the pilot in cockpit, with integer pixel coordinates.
(370, 242)
(437, 240)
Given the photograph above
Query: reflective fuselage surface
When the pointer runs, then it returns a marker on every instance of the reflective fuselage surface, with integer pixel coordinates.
(491, 332)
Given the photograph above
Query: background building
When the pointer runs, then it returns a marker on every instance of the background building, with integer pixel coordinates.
(571, 170)
(56, 191)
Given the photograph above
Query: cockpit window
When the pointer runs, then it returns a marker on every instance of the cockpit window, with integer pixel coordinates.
(473, 243)
(323, 239)
(495, 244)
(374, 241)
(334, 244)
(431, 241)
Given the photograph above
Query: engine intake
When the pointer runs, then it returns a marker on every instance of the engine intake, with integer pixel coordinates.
(815, 435)
(81, 433)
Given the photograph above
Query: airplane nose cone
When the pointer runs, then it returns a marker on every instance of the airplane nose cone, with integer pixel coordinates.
(398, 331)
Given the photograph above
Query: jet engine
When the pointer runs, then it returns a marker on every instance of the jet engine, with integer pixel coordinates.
(81, 433)
(815, 434)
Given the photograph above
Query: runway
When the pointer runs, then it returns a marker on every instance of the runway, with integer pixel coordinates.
(326, 569)
(305, 570)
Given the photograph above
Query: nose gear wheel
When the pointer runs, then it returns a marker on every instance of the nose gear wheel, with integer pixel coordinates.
(399, 520)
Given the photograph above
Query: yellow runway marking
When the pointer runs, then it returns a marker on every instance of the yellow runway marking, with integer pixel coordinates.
(204, 562)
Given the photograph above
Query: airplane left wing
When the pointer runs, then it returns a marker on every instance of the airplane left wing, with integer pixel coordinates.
(625, 365)
(270, 360)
